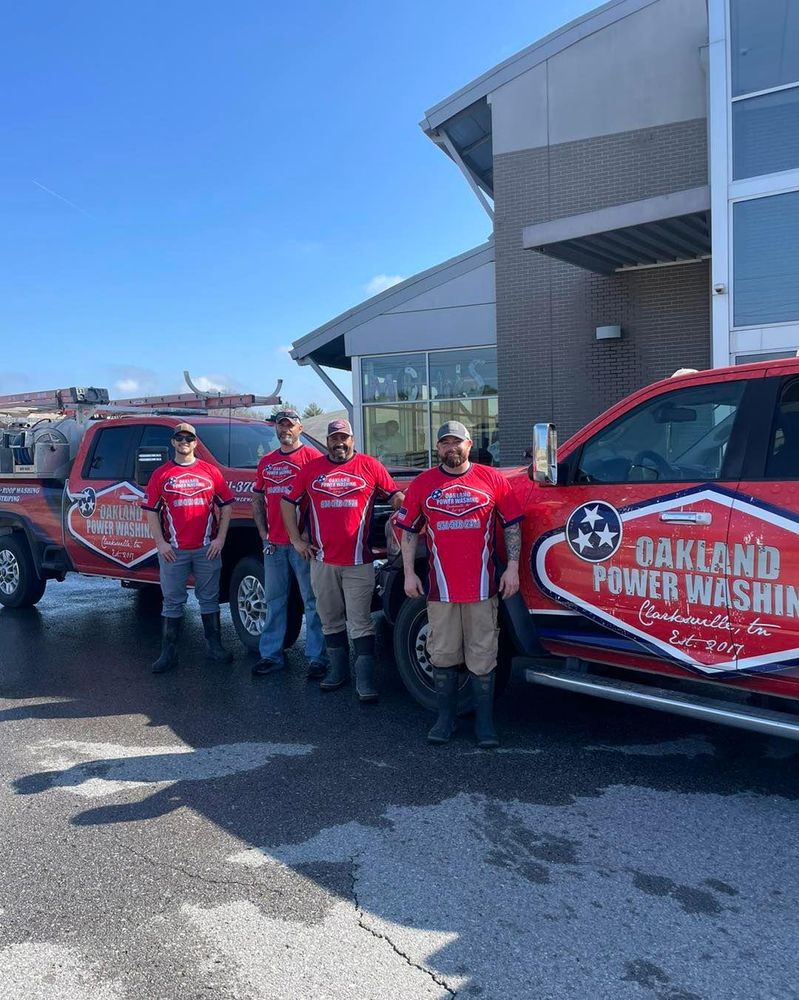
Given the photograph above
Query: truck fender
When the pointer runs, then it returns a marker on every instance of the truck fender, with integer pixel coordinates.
(16, 523)
(520, 626)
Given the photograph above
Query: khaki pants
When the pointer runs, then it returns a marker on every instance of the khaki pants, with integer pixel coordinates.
(463, 633)
(344, 595)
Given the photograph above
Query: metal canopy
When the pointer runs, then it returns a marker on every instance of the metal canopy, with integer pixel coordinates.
(470, 134)
(669, 229)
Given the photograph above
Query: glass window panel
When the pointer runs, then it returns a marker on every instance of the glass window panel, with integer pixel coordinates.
(764, 44)
(112, 456)
(766, 260)
(745, 359)
(678, 436)
(460, 374)
(239, 446)
(398, 435)
(783, 454)
(765, 134)
(393, 377)
(481, 416)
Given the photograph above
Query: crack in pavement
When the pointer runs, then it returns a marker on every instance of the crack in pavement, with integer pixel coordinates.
(193, 876)
(382, 937)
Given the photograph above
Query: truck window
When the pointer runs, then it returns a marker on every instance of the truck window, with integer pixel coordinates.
(111, 456)
(157, 436)
(675, 437)
(238, 446)
(783, 453)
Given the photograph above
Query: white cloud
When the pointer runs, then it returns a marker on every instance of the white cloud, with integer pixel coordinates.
(283, 349)
(381, 282)
(214, 383)
(132, 380)
(129, 385)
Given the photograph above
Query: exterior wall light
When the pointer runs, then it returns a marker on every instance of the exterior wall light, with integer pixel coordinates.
(608, 332)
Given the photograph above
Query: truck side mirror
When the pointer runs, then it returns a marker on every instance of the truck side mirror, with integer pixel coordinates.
(147, 461)
(544, 467)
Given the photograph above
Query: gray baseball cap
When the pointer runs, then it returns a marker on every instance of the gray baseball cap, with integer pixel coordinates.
(291, 415)
(454, 428)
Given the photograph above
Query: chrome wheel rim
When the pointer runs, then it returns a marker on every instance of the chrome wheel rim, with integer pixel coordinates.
(421, 655)
(9, 572)
(251, 605)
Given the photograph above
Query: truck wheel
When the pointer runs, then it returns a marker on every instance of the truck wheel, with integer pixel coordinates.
(248, 607)
(20, 587)
(413, 663)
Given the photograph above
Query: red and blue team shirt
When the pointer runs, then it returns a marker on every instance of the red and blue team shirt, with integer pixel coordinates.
(274, 478)
(341, 496)
(459, 511)
(186, 498)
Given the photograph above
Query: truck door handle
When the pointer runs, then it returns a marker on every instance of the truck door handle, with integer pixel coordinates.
(687, 517)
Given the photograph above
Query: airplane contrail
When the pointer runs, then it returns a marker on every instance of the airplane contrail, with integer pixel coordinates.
(60, 197)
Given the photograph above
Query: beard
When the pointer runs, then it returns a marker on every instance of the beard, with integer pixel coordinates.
(339, 453)
(452, 459)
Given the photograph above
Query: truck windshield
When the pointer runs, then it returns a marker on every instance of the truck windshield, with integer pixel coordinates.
(239, 446)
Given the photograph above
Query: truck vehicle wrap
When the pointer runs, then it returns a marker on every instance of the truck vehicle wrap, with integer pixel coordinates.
(660, 545)
(71, 487)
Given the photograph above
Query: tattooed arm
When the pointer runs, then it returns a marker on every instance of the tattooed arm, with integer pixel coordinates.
(509, 581)
(408, 544)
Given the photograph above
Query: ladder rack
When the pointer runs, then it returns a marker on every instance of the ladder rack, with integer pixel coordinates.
(90, 400)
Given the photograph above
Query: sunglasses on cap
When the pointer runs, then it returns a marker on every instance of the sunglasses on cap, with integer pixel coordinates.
(184, 437)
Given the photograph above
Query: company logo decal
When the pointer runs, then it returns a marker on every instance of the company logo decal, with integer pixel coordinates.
(338, 484)
(111, 523)
(188, 484)
(704, 577)
(280, 472)
(457, 500)
(87, 501)
(594, 531)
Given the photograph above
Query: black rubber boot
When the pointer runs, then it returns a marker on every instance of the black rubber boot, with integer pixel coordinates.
(338, 670)
(365, 669)
(170, 633)
(316, 670)
(213, 631)
(483, 696)
(446, 682)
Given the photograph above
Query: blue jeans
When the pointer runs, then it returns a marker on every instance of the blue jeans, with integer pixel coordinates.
(175, 578)
(278, 566)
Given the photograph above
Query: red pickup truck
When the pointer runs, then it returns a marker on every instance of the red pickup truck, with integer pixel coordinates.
(660, 546)
(70, 490)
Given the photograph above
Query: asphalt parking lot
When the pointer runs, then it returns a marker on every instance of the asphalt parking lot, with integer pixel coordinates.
(207, 834)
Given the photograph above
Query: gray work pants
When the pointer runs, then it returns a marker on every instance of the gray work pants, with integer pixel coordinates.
(175, 578)
(344, 597)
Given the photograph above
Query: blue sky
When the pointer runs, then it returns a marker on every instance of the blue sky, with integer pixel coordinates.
(196, 185)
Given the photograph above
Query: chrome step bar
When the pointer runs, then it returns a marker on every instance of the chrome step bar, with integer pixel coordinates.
(708, 709)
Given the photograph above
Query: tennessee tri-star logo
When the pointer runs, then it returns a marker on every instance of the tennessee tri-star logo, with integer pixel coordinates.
(87, 501)
(338, 484)
(594, 531)
(457, 500)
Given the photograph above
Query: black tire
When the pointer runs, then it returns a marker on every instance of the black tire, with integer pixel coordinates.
(20, 586)
(248, 609)
(415, 669)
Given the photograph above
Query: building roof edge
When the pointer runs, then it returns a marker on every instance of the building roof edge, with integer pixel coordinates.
(529, 57)
(392, 297)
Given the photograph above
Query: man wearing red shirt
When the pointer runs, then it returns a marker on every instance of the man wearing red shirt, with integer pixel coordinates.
(340, 489)
(273, 480)
(187, 505)
(458, 504)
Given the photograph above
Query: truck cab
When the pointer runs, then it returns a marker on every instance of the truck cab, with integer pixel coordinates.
(660, 541)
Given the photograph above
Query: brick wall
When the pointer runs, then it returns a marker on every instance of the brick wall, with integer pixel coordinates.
(550, 364)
